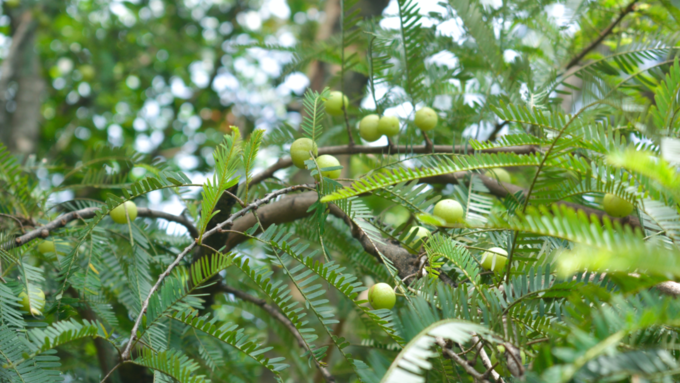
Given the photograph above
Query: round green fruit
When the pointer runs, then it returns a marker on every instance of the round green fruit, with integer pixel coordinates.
(388, 125)
(46, 247)
(334, 103)
(299, 151)
(382, 296)
(449, 210)
(328, 161)
(426, 119)
(617, 207)
(368, 128)
(421, 233)
(498, 173)
(118, 214)
(495, 259)
(38, 300)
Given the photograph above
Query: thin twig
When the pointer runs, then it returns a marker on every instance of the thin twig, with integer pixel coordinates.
(342, 73)
(485, 359)
(16, 219)
(232, 195)
(64, 219)
(276, 314)
(460, 361)
(180, 256)
(428, 143)
(628, 9)
(111, 372)
(286, 162)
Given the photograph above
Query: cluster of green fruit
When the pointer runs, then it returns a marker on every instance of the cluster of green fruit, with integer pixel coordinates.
(300, 152)
(451, 212)
(372, 127)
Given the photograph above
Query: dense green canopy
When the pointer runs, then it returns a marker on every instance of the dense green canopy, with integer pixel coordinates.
(153, 227)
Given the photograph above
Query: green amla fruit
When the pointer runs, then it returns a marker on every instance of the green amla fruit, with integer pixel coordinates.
(617, 207)
(328, 161)
(38, 299)
(495, 259)
(299, 151)
(388, 125)
(118, 214)
(368, 128)
(498, 173)
(421, 233)
(334, 103)
(382, 296)
(426, 119)
(46, 247)
(449, 210)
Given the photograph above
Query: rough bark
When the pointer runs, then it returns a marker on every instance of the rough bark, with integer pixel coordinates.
(25, 125)
(21, 65)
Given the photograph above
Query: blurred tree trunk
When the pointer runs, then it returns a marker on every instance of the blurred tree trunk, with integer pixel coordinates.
(20, 105)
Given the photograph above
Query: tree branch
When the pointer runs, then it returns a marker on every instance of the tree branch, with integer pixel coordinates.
(499, 126)
(276, 314)
(485, 358)
(285, 162)
(64, 219)
(296, 207)
(460, 361)
(254, 205)
(630, 8)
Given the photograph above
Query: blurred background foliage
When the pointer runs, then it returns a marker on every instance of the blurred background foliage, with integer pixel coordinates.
(96, 90)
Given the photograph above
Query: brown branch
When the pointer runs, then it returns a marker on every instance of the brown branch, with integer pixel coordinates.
(64, 219)
(499, 126)
(276, 314)
(628, 9)
(285, 162)
(296, 207)
(479, 377)
(485, 358)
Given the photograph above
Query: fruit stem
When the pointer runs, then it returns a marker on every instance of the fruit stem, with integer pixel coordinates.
(428, 143)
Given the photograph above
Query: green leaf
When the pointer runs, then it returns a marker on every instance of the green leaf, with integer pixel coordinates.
(230, 334)
(413, 361)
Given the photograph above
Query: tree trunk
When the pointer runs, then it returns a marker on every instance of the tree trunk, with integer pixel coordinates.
(20, 130)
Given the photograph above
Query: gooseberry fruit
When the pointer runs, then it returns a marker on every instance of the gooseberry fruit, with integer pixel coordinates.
(498, 173)
(118, 214)
(368, 128)
(617, 207)
(299, 151)
(426, 119)
(38, 300)
(46, 247)
(421, 233)
(328, 161)
(334, 103)
(382, 296)
(388, 125)
(494, 259)
(449, 210)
